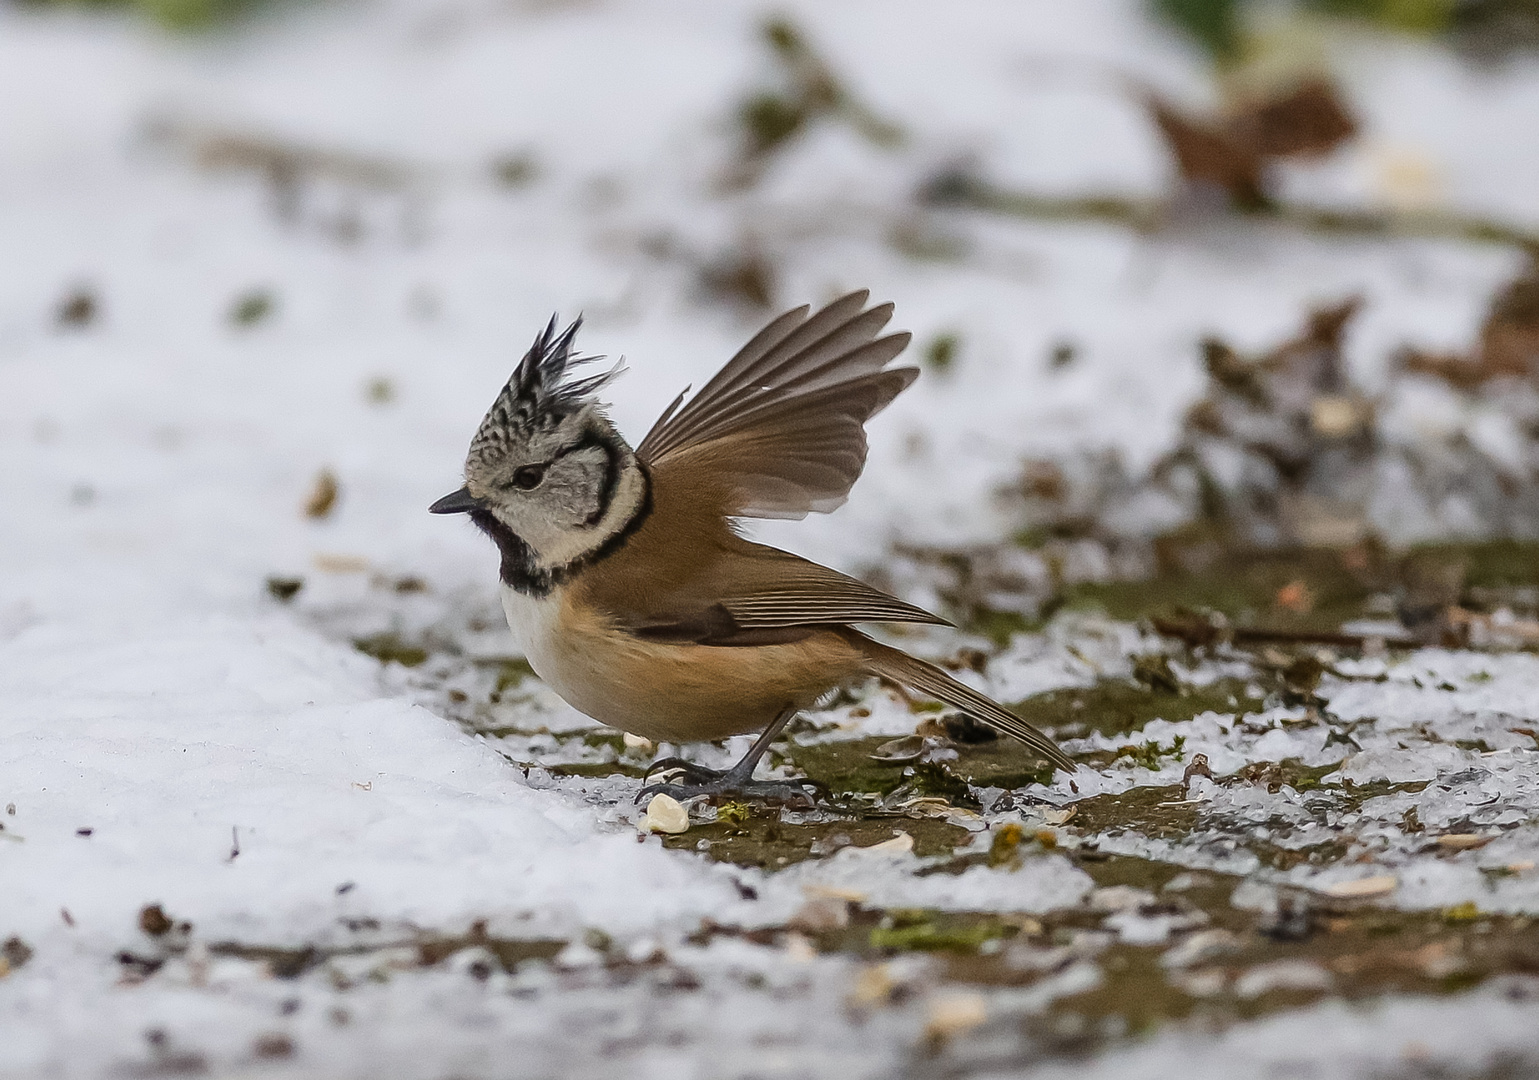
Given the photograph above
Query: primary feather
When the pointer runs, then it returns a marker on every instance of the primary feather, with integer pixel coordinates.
(781, 428)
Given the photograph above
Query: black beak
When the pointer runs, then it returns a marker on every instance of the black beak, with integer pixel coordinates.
(458, 502)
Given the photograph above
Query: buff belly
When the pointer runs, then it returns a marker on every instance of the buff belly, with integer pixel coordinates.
(666, 692)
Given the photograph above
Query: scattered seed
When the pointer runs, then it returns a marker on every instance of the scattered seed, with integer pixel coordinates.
(901, 844)
(874, 986)
(821, 914)
(665, 814)
(1363, 888)
(953, 1014)
(834, 892)
(1462, 841)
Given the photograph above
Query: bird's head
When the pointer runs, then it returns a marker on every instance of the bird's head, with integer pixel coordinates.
(548, 476)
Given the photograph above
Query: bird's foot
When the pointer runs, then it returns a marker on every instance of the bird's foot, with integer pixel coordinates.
(684, 780)
(675, 770)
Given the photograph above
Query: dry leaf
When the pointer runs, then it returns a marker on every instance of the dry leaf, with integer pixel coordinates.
(323, 495)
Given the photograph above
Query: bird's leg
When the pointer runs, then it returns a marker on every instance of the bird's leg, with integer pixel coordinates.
(685, 780)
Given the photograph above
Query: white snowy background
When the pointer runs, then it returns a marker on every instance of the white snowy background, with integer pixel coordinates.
(153, 465)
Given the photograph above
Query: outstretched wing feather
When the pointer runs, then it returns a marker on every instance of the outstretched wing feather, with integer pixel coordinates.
(780, 429)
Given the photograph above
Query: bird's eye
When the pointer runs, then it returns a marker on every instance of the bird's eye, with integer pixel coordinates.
(529, 477)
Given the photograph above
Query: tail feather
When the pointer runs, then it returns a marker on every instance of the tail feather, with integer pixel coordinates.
(889, 663)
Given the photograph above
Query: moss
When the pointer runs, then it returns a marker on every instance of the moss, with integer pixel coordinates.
(1367, 951)
(252, 307)
(1148, 754)
(1493, 564)
(510, 952)
(1465, 912)
(1243, 585)
(1158, 812)
(999, 626)
(846, 767)
(290, 963)
(941, 352)
(1005, 847)
(511, 673)
(770, 844)
(603, 738)
(389, 647)
(178, 15)
(1116, 706)
(284, 589)
(932, 931)
(733, 813)
(1275, 857)
(1290, 772)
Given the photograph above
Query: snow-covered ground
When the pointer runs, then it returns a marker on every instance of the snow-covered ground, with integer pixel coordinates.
(172, 734)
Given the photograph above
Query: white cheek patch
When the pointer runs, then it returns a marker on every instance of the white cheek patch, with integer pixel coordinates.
(560, 546)
(575, 489)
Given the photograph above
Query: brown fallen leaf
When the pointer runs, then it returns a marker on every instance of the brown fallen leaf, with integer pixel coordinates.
(1206, 154)
(322, 499)
(1508, 346)
(1307, 120)
(1232, 151)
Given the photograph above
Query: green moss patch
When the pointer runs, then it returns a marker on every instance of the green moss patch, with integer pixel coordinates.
(388, 647)
(1245, 586)
(1118, 706)
(768, 843)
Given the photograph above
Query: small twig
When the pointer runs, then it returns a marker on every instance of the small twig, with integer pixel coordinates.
(1204, 633)
(1147, 215)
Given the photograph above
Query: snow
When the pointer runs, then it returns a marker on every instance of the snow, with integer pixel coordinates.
(240, 763)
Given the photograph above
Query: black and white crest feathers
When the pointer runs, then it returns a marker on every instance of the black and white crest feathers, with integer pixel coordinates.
(540, 393)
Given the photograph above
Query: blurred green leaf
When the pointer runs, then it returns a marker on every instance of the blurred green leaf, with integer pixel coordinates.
(1214, 24)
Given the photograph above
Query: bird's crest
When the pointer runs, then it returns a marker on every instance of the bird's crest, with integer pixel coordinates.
(540, 393)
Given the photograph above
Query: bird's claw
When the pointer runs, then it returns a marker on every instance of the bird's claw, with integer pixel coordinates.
(676, 769)
(722, 787)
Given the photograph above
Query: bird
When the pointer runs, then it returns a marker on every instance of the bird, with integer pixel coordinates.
(625, 576)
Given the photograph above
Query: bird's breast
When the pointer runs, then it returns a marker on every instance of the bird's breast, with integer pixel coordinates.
(535, 622)
(673, 692)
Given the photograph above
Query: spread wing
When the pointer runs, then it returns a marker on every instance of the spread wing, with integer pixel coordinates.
(780, 430)
(772, 596)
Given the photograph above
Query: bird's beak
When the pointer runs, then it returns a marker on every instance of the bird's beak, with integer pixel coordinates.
(457, 502)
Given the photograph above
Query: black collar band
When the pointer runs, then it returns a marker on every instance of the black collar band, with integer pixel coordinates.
(521, 572)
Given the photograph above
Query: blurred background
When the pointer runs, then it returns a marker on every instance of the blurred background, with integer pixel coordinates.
(271, 240)
(333, 227)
